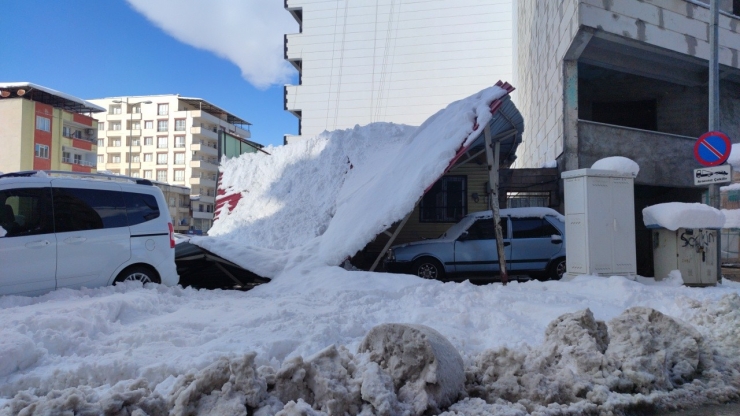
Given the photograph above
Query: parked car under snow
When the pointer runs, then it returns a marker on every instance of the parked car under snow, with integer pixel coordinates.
(534, 245)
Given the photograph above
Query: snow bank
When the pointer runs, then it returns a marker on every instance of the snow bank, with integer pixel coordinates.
(675, 215)
(322, 200)
(619, 164)
(732, 218)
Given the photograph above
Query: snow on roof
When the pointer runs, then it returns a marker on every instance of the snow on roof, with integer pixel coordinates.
(675, 215)
(618, 164)
(323, 199)
(28, 85)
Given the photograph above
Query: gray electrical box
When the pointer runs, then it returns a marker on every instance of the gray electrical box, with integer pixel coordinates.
(599, 223)
(692, 251)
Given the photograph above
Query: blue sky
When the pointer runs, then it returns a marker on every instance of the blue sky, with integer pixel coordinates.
(95, 49)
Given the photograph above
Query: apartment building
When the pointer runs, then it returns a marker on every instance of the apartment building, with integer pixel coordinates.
(41, 128)
(169, 139)
(365, 61)
(629, 78)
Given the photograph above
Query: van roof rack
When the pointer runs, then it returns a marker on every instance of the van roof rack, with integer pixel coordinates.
(63, 173)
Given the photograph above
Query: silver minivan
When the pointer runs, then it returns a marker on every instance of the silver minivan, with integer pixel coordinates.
(63, 231)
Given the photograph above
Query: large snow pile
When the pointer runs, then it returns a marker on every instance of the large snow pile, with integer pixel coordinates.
(675, 215)
(315, 344)
(619, 164)
(323, 200)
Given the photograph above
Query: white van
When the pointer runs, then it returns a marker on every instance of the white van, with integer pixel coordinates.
(59, 230)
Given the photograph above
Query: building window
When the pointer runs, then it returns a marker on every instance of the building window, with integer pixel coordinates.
(135, 158)
(101, 159)
(179, 175)
(101, 125)
(101, 142)
(180, 124)
(136, 109)
(115, 125)
(147, 174)
(43, 123)
(161, 158)
(163, 109)
(135, 141)
(162, 175)
(114, 158)
(41, 151)
(148, 141)
(148, 124)
(162, 125)
(147, 157)
(77, 159)
(66, 157)
(114, 142)
(135, 125)
(179, 141)
(179, 158)
(162, 142)
(446, 201)
(114, 109)
(135, 174)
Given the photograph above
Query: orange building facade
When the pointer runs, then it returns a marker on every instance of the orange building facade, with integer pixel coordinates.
(42, 129)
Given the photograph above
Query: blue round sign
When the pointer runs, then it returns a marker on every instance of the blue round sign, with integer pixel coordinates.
(712, 148)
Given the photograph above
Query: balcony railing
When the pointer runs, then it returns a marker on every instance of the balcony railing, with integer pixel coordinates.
(78, 162)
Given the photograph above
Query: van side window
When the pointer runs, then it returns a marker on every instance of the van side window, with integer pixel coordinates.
(141, 208)
(88, 209)
(26, 211)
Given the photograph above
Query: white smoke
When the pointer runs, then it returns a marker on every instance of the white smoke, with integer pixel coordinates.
(248, 33)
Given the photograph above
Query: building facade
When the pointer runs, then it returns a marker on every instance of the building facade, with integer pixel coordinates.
(169, 139)
(44, 129)
(625, 78)
(364, 61)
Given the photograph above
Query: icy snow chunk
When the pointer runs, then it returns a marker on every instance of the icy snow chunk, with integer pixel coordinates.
(550, 164)
(619, 164)
(2, 232)
(654, 351)
(18, 352)
(225, 387)
(325, 381)
(426, 369)
(675, 215)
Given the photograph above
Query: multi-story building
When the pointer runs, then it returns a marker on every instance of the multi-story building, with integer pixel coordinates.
(364, 61)
(44, 129)
(629, 78)
(170, 139)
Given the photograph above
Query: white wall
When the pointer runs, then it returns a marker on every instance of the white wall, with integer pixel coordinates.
(393, 60)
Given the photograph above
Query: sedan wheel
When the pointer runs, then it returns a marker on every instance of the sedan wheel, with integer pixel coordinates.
(557, 270)
(427, 268)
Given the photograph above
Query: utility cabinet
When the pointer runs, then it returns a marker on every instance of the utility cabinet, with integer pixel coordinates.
(692, 251)
(599, 223)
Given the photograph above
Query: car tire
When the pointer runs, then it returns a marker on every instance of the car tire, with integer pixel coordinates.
(428, 268)
(139, 274)
(557, 269)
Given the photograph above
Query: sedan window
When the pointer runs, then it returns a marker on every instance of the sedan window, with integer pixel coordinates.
(483, 230)
(533, 228)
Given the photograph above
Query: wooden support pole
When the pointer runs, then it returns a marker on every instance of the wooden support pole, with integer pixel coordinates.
(492, 156)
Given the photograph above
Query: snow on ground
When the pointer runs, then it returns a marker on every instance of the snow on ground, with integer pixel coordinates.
(298, 346)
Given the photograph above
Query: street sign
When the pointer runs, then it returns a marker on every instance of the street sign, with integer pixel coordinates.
(712, 148)
(715, 174)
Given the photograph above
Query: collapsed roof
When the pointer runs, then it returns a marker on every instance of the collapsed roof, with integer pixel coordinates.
(319, 201)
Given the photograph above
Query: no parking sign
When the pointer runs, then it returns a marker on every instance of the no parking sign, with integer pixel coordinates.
(712, 148)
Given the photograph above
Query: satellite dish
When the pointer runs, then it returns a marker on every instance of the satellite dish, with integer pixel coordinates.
(21, 92)
(4, 93)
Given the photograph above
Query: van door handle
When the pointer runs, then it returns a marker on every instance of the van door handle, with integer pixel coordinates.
(75, 240)
(37, 244)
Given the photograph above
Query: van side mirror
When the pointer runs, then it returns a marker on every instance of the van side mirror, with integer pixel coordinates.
(464, 236)
(556, 239)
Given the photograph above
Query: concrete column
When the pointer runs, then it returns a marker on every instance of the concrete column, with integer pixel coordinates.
(570, 114)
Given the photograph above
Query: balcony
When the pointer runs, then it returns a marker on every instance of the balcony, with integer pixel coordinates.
(203, 215)
(197, 181)
(134, 148)
(134, 165)
(204, 148)
(78, 162)
(204, 132)
(133, 133)
(665, 159)
(203, 165)
(134, 116)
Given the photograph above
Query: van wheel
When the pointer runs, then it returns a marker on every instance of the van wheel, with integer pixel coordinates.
(138, 274)
(557, 269)
(428, 268)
